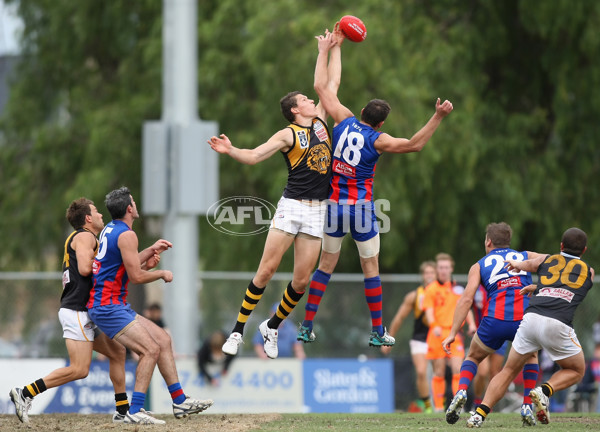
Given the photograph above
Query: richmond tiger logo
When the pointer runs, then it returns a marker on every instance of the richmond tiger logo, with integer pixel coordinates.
(319, 159)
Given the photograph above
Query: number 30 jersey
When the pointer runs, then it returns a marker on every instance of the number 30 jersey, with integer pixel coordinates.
(504, 302)
(564, 282)
(354, 161)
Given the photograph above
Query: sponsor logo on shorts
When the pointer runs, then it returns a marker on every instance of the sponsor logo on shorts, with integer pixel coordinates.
(241, 215)
(362, 220)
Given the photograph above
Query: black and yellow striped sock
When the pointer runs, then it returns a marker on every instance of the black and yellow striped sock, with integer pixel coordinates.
(251, 299)
(35, 388)
(483, 410)
(121, 403)
(547, 389)
(288, 303)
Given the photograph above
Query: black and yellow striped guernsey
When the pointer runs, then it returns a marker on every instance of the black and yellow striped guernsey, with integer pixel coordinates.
(76, 288)
(309, 162)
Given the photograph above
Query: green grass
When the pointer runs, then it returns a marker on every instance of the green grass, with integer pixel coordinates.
(422, 422)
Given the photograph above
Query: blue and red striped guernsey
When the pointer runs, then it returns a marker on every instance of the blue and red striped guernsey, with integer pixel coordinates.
(354, 161)
(504, 302)
(109, 275)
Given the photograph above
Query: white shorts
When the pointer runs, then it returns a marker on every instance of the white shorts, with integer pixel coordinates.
(76, 325)
(538, 331)
(417, 347)
(300, 216)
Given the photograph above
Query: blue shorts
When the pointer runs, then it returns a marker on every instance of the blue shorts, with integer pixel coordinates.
(494, 332)
(111, 319)
(358, 219)
(502, 350)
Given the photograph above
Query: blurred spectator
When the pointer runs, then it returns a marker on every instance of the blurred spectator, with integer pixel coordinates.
(213, 364)
(289, 346)
(154, 313)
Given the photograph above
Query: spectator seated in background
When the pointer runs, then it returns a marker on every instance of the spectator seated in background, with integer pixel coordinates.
(213, 364)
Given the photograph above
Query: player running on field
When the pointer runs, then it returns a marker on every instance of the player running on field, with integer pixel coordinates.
(501, 317)
(564, 281)
(118, 261)
(80, 333)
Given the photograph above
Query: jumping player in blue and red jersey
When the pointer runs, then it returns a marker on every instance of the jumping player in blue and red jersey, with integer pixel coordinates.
(118, 262)
(357, 145)
(502, 314)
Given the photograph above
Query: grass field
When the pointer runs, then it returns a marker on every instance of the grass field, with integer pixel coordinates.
(296, 423)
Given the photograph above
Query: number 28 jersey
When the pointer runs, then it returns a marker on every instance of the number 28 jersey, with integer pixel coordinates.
(504, 302)
(354, 161)
(109, 274)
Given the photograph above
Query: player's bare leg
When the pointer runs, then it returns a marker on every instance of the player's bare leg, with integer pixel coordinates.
(277, 243)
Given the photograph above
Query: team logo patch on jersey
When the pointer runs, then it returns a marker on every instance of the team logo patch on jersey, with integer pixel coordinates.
(319, 158)
(320, 131)
(343, 168)
(303, 139)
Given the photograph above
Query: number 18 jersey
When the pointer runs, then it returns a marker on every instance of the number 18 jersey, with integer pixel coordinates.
(504, 302)
(354, 161)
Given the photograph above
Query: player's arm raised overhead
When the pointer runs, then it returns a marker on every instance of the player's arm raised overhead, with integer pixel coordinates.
(463, 307)
(281, 140)
(325, 85)
(390, 144)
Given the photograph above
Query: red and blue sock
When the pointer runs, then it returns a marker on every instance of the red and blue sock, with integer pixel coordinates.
(373, 294)
(177, 393)
(318, 285)
(530, 376)
(468, 370)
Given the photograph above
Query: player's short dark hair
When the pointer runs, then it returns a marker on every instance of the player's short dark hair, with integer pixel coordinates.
(287, 103)
(117, 202)
(375, 112)
(574, 241)
(499, 233)
(77, 211)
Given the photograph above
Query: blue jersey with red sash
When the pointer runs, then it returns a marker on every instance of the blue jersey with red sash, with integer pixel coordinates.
(354, 161)
(503, 299)
(110, 277)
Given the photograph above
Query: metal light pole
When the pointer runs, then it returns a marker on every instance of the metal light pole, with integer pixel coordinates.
(180, 172)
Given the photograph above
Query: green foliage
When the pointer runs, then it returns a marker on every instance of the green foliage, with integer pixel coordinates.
(520, 145)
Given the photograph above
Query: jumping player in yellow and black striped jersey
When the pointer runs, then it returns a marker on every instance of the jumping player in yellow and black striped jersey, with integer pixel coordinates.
(306, 147)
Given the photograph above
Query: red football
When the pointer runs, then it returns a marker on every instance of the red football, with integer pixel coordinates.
(353, 28)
